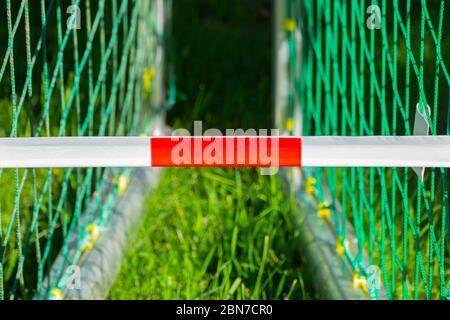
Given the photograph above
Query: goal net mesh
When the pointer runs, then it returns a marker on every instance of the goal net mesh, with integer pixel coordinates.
(367, 68)
(68, 68)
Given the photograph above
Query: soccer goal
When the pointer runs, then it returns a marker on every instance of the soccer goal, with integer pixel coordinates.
(76, 68)
(379, 69)
(362, 97)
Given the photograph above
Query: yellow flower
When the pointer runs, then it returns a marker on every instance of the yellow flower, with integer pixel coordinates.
(290, 125)
(290, 25)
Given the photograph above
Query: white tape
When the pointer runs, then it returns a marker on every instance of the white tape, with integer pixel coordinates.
(76, 152)
(380, 151)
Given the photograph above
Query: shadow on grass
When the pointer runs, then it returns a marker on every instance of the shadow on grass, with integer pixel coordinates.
(217, 233)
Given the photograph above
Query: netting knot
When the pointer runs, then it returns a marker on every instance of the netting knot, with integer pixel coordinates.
(310, 185)
(56, 294)
(122, 184)
(94, 232)
(341, 244)
(359, 281)
(324, 210)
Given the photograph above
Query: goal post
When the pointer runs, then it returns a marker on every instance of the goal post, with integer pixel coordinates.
(80, 69)
(374, 69)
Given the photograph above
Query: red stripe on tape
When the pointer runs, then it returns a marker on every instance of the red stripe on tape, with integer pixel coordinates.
(225, 151)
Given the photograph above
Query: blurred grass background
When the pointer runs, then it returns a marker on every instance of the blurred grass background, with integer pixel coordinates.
(218, 233)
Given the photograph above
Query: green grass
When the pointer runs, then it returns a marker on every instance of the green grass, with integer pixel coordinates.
(217, 233)
(213, 234)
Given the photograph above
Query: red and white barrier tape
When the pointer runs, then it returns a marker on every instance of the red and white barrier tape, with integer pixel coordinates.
(77, 152)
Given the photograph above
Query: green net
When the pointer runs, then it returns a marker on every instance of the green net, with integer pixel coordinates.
(365, 66)
(74, 68)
